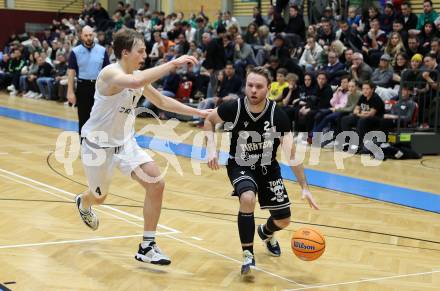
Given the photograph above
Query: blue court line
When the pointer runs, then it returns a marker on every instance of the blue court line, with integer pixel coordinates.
(388, 193)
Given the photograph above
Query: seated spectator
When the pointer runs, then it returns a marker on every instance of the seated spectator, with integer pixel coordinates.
(338, 103)
(366, 116)
(231, 84)
(387, 18)
(44, 79)
(32, 69)
(326, 34)
(382, 78)
(426, 35)
(353, 19)
(251, 35)
(277, 87)
(60, 84)
(311, 55)
(428, 15)
(398, 68)
(349, 36)
(414, 47)
(401, 112)
(171, 83)
(394, 46)
(374, 41)
(277, 25)
(359, 70)
(243, 56)
(11, 78)
(334, 69)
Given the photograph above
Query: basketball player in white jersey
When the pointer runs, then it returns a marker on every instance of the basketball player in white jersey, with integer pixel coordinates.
(108, 136)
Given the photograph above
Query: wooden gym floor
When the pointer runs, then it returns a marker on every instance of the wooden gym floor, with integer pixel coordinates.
(371, 245)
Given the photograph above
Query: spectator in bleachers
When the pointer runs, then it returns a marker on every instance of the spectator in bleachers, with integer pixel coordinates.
(338, 103)
(190, 32)
(428, 15)
(388, 16)
(374, 41)
(348, 59)
(401, 112)
(182, 45)
(334, 69)
(231, 21)
(426, 35)
(215, 59)
(408, 18)
(251, 35)
(382, 78)
(431, 77)
(231, 83)
(200, 31)
(353, 19)
(414, 47)
(311, 55)
(349, 36)
(367, 114)
(171, 83)
(326, 35)
(228, 46)
(60, 80)
(258, 18)
(394, 46)
(398, 68)
(277, 25)
(277, 87)
(11, 78)
(44, 78)
(359, 70)
(26, 74)
(296, 25)
(243, 55)
(373, 13)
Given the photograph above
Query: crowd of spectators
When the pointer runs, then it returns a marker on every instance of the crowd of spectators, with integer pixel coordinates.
(339, 72)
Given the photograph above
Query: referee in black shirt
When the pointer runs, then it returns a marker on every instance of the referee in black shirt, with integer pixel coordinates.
(85, 62)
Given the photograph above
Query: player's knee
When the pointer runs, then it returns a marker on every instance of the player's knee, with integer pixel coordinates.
(248, 199)
(156, 188)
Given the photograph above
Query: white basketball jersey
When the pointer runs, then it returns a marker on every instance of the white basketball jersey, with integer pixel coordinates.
(111, 121)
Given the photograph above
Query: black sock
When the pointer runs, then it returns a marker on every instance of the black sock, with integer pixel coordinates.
(246, 229)
(270, 227)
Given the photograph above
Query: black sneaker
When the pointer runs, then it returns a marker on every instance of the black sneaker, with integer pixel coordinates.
(152, 254)
(89, 217)
(272, 245)
(248, 264)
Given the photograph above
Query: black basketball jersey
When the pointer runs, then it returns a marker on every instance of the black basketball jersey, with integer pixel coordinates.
(255, 137)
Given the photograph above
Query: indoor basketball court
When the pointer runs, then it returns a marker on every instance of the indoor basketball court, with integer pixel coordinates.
(381, 224)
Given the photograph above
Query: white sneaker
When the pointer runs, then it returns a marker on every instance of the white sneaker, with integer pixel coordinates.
(27, 94)
(10, 88)
(248, 265)
(13, 93)
(152, 254)
(38, 96)
(89, 217)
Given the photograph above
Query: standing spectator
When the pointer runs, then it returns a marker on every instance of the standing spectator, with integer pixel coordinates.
(296, 23)
(85, 62)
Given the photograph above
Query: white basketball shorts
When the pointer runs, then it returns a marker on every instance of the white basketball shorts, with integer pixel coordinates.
(99, 163)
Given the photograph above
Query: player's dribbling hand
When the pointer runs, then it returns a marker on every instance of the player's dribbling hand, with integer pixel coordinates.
(308, 195)
(184, 60)
(213, 160)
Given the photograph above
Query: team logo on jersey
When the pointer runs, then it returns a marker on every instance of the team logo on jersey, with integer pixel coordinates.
(246, 124)
(277, 188)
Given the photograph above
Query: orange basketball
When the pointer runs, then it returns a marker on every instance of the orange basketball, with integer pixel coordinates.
(308, 244)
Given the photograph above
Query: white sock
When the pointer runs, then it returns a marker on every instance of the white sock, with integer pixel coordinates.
(148, 237)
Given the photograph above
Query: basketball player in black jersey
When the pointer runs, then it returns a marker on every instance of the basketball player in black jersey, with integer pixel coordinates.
(257, 128)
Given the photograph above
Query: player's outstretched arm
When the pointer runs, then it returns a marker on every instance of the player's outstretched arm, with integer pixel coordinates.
(289, 150)
(209, 127)
(120, 79)
(170, 104)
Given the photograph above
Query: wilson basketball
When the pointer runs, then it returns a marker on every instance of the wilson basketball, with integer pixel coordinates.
(308, 244)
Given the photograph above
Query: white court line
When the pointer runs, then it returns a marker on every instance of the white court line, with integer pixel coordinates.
(74, 241)
(173, 231)
(364, 280)
(73, 195)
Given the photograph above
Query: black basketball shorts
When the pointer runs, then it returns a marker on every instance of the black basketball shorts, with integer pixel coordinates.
(271, 193)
